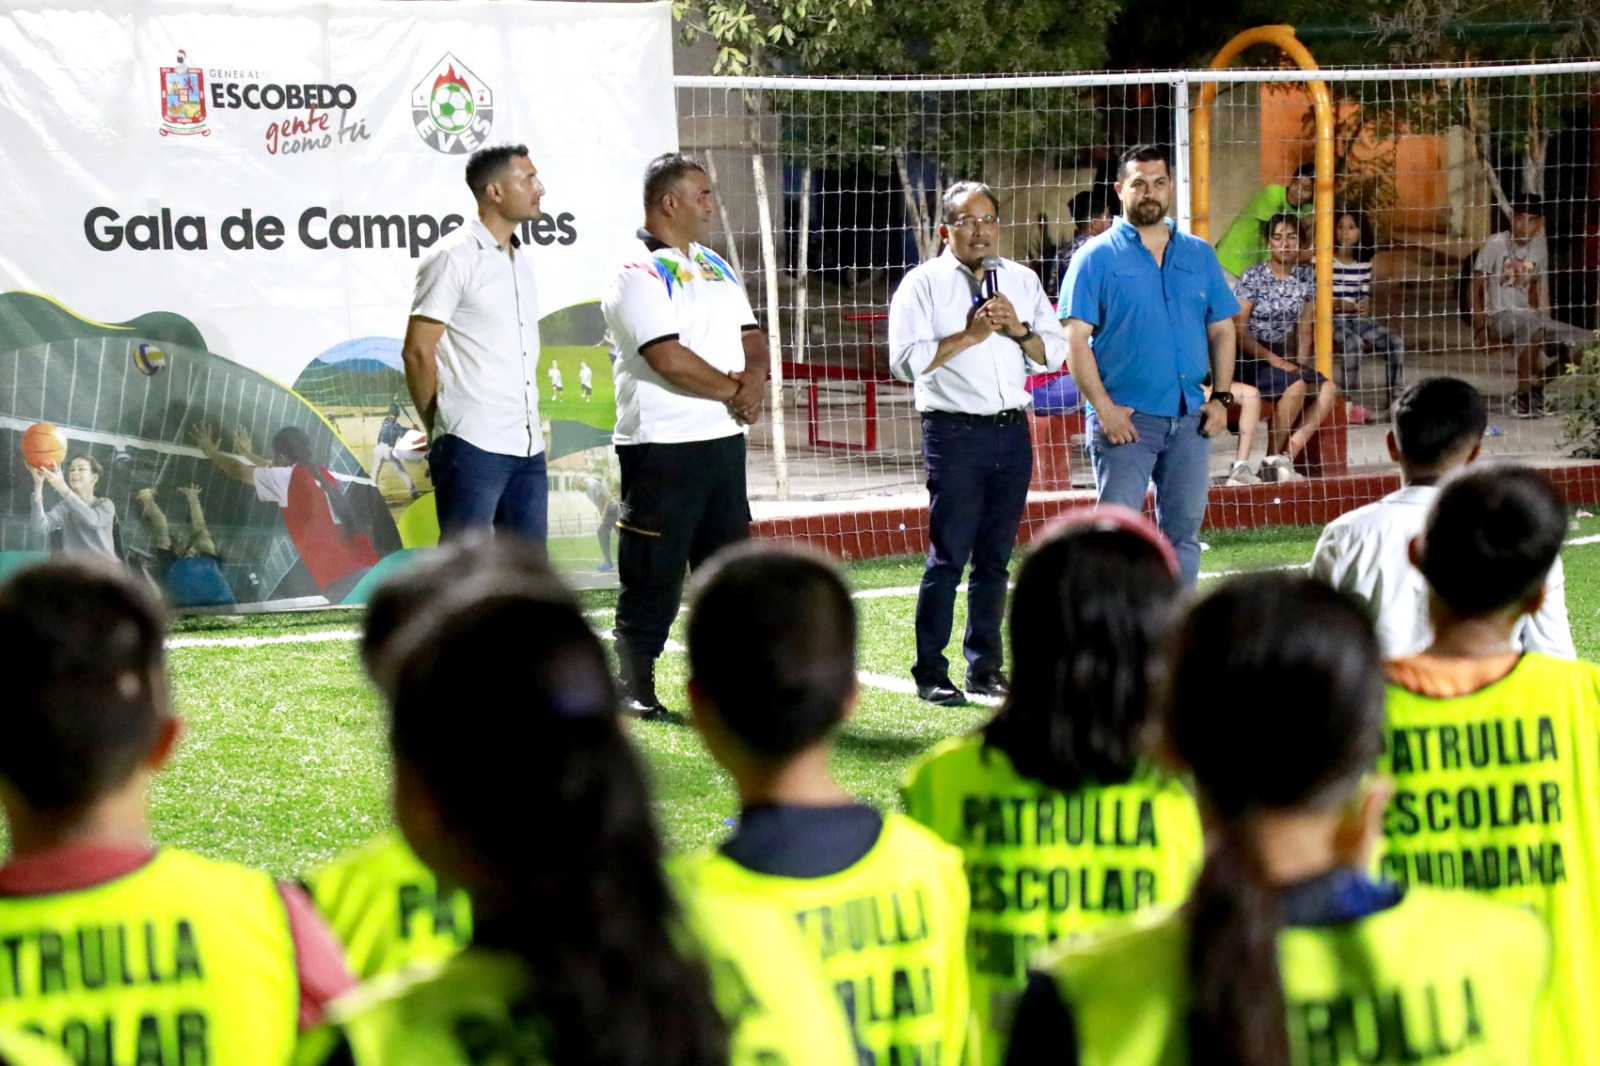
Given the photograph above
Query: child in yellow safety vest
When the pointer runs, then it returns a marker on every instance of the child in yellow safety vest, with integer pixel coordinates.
(384, 905)
(581, 950)
(879, 900)
(118, 950)
(1286, 951)
(1496, 754)
(1063, 819)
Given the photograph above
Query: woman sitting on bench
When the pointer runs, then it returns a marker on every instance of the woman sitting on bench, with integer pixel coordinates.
(1274, 323)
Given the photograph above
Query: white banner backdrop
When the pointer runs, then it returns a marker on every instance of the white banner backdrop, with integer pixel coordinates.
(210, 234)
(282, 230)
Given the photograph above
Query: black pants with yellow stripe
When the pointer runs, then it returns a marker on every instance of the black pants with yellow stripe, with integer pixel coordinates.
(680, 503)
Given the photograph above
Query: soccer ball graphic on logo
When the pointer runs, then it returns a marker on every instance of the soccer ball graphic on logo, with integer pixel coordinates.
(451, 107)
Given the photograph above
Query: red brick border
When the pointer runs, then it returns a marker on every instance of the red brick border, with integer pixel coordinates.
(874, 533)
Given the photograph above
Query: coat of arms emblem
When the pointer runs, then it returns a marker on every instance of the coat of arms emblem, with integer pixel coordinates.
(183, 100)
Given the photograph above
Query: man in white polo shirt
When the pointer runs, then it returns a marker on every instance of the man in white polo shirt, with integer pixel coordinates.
(690, 368)
(472, 352)
(967, 328)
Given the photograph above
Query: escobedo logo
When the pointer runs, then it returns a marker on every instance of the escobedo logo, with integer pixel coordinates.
(452, 108)
(183, 100)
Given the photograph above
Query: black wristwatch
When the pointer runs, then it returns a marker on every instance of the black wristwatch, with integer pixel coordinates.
(1027, 335)
(1224, 398)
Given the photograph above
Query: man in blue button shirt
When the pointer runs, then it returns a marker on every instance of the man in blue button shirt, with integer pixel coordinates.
(1148, 315)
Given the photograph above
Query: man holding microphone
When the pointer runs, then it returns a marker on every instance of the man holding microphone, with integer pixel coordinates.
(966, 328)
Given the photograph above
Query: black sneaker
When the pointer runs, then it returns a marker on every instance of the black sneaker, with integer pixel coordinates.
(942, 693)
(988, 683)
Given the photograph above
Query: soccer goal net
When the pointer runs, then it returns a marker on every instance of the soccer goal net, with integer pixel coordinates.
(1463, 241)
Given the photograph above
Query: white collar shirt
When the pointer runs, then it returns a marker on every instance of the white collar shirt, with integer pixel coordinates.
(656, 293)
(1365, 552)
(489, 355)
(935, 301)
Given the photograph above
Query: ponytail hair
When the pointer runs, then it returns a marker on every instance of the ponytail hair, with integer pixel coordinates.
(1278, 634)
(566, 860)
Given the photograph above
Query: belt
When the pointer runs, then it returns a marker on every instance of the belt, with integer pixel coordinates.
(1011, 416)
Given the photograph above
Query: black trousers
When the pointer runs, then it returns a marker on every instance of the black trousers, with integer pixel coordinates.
(680, 503)
(978, 474)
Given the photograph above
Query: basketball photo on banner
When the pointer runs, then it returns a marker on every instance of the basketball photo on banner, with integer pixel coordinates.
(222, 486)
(248, 302)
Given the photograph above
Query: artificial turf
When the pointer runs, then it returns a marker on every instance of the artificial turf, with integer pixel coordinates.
(283, 764)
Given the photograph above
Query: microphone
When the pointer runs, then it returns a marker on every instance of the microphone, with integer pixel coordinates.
(991, 276)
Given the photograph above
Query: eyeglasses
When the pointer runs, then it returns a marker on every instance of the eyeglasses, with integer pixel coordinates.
(971, 221)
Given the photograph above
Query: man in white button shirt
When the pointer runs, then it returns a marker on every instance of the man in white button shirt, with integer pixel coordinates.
(690, 367)
(1438, 428)
(967, 328)
(472, 352)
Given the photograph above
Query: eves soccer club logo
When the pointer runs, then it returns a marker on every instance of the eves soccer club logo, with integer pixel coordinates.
(183, 100)
(452, 108)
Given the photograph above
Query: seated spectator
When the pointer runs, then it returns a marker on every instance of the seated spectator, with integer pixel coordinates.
(1512, 814)
(1247, 398)
(1438, 429)
(1287, 950)
(1356, 334)
(772, 674)
(1093, 603)
(1274, 323)
(1245, 244)
(120, 951)
(1055, 393)
(190, 572)
(1091, 216)
(580, 949)
(86, 522)
(1510, 301)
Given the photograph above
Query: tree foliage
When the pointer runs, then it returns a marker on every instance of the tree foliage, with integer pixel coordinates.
(943, 39)
(767, 36)
(900, 37)
(1431, 31)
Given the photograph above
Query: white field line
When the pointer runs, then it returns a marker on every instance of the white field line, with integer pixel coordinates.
(881, 681)
(324, 637)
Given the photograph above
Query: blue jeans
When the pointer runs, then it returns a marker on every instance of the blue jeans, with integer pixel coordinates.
(1171, 453)
(1355, 337)
(475, 489)
(978, 475)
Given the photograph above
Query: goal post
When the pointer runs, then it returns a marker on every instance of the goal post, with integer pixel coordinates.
(1426, 164)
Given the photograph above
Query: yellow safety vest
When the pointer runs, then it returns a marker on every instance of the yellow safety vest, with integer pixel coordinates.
(1498, 792)
(890, 933)
(386, 908)
(1043, 864)
(184, 961)
(471, 1008)
(1439, 978)
(19, 1048)
(779, 1006)
(477, 1007)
